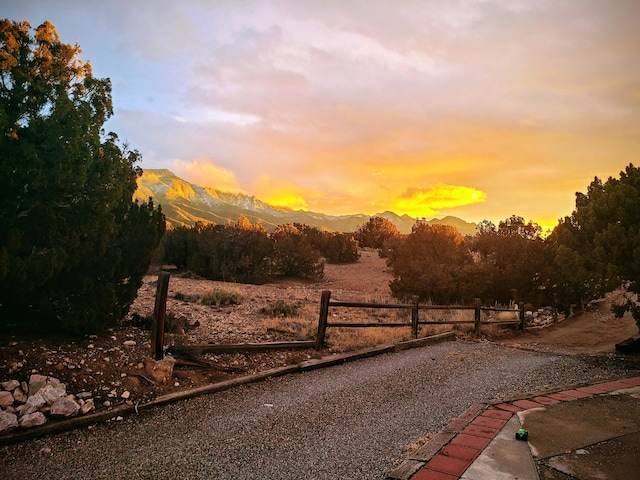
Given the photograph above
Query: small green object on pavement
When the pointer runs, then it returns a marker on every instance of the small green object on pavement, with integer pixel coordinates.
(522, 434)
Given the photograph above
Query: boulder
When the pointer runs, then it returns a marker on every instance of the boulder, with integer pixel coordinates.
(65, 407)
(8, 421)
(36, 382)
(32, 420)
(34, 403)
(19, 395)
(159, 371)
(10, 386)
(51, 393)
(6, 399)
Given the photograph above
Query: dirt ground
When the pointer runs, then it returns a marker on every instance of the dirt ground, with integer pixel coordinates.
(111, 365)
(595, 330)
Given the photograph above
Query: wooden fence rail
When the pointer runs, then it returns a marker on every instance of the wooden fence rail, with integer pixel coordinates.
(415, 308)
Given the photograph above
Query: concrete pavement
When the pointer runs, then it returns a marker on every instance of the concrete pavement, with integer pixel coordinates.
(586, 432)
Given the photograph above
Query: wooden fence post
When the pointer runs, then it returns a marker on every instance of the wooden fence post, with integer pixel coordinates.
(522, 321)
(414, 316)
(159, 313)
(323, 318)
(478, 316)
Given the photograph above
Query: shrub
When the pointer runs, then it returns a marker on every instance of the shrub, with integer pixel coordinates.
(280, 309)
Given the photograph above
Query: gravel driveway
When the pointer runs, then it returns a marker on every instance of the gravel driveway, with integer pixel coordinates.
(346, 422)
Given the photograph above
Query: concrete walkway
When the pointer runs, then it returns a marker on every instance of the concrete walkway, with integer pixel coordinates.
(587, 432)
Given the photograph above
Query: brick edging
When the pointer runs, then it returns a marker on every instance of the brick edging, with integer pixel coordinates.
(457, 445)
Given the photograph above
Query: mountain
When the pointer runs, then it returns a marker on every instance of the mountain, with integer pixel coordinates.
(184, 203)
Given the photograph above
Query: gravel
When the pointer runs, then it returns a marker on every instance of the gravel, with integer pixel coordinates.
(347, 422)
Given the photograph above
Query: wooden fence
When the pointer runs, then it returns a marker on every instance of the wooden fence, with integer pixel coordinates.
(415, 308)
(157, 328)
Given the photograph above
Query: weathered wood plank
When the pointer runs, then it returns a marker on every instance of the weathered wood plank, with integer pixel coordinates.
(240, 347)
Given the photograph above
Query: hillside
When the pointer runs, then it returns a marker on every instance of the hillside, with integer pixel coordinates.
(184, 203)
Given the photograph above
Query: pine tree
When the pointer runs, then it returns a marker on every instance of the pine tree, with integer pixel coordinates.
(73, 245)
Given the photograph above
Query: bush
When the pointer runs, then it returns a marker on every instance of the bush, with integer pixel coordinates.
(217, 297)
(280, 309)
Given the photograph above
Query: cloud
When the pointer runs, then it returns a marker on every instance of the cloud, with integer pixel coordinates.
(205, 173)
(432, 201)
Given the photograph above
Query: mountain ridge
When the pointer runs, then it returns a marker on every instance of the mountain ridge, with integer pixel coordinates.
(184, 203)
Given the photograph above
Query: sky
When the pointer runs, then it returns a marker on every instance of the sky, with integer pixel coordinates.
(480, 109)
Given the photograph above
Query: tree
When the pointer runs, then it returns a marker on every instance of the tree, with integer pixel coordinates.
(512, 259)
(376, 233)
(601, 239)
(294, 256)
(430, 263)
(73, 245)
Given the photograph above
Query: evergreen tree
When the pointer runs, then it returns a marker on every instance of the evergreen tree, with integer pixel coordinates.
(73, 244)
(601, 239)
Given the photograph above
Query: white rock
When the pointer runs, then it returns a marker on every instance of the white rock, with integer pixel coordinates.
(65, 407)
(126, 394)
(8, 421)
(130, 343)
(51, 393)
(32, 420)
(34, 403)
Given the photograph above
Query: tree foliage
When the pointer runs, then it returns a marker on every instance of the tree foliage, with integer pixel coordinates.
(244, 252)
(499, 264)
(73, 245)
(377, 232)
(429, 263)
(598, 246)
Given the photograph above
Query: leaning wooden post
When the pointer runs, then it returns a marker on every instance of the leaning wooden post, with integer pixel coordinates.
(522, 321)
(414, 316)
(159, 313)
(322, 320)
(477, 316)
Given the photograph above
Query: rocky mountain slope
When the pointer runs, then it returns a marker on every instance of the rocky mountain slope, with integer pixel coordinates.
(184, 203)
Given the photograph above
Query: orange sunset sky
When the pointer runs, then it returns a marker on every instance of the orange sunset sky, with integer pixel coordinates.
(475, 108)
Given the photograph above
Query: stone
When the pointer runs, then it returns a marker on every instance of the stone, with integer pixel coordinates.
(10, 385)
(129, 343)
(8, 421)
(32, 420)
(126, 394)
(6, 399)
(159, 371)
(84, 395)
(51, 393)
(19, 396)
(88, 406)
(36, 382)
(65, 407)
(34, 403)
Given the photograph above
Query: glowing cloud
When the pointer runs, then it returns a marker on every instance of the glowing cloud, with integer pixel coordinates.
(281, 193)
(430, 202)
(204, 173)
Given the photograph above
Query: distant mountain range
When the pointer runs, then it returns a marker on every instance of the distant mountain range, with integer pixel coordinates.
(184, 203)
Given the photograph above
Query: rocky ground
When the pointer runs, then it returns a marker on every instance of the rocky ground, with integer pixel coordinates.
(106, 370)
